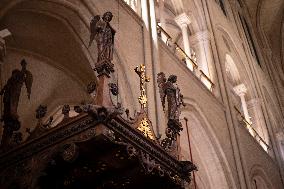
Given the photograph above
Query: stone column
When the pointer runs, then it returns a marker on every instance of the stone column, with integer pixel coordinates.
(152, 63)
(139, 9)
(280, 141)
(241, 91)
(183, 21)
(162, 18)
(201, 43)
(3, 33)
(254, 105)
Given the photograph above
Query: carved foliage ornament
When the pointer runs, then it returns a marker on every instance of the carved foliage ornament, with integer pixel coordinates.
(144, 127)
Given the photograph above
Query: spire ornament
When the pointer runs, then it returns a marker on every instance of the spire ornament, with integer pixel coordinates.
(144, 125)
(143, 79)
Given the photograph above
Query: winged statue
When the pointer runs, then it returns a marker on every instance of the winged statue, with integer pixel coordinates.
(170, 91)
(103, 33)
(12, 92)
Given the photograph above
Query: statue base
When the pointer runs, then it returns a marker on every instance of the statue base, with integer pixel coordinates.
(10, 126)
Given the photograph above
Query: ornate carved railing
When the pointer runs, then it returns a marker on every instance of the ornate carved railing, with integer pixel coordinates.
(88, 127)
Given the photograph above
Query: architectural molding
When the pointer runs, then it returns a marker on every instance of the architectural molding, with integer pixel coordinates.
(201, 36)
(240, 90)
(182, 20)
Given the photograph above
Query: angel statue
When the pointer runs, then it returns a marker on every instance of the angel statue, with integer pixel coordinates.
(103, 33)
(11, 92)
(168, 89)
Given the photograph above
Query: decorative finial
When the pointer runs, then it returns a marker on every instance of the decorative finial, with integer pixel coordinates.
(143, 79)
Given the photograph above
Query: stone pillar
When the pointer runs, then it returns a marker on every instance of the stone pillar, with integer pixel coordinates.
(280, 141)
(201, 43)
(162, 18)
(3, 33)
(152, 63)
(257, 117)
(138, 8)
(183, 21)
(241, 91)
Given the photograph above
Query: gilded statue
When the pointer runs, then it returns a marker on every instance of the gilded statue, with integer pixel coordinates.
(12, 92)
(103, 33)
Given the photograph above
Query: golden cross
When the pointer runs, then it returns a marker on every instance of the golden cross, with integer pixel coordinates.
(144, 127)
(143, 79)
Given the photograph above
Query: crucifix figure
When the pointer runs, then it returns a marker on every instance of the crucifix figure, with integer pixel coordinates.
(143, 79)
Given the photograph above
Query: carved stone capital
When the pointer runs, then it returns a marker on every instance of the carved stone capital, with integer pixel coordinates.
(182, 20)
(240, 90)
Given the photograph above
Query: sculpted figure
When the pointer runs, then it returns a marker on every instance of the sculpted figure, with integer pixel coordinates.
(103, 33)
(169, 90)
(11, 92)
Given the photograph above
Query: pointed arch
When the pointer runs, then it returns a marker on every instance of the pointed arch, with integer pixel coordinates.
(259, 179)
(238, 57)
(206, 151)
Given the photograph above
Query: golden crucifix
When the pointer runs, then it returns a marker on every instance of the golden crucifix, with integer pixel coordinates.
(143, 79)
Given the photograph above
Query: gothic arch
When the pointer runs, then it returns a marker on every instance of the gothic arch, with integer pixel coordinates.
(76, 19)
(259, 179)
(206, 150)
(57, 33)
(232, 70)
(243, 68)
